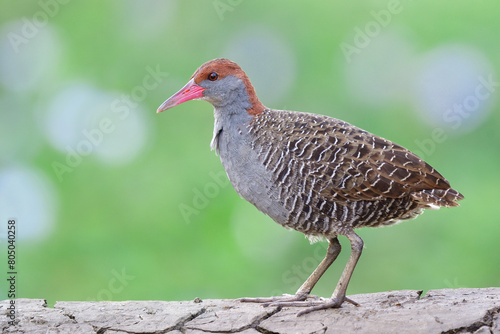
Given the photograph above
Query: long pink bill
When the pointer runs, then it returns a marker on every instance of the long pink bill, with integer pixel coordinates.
(190, 91)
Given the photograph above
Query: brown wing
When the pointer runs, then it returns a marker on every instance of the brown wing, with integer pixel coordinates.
(350, 164)
(363, 166)
(371, 168)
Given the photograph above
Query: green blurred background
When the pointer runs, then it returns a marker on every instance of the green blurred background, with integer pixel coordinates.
(115, 202)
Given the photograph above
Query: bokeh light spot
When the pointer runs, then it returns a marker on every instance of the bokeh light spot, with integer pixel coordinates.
(127, 140)
(454, 87)
(83, 120)
(134, 25)
(28, 196)
(380, 73)
(20, 69)
(267, 59)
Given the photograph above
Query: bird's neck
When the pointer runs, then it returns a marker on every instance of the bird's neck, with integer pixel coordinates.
(231, 120)
(232, 115)
(241, 97)
(257, 106)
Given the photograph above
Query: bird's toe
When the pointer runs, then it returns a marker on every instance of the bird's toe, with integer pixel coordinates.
(284, 300)
(334, 302)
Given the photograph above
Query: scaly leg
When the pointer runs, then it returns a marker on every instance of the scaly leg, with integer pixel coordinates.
(338, 296)
(304, 291)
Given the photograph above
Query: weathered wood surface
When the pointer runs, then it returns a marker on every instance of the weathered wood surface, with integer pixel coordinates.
(439, 311)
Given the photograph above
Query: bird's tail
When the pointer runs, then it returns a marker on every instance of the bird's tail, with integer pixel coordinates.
(436, 198)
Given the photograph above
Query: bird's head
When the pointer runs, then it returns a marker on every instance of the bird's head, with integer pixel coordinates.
(222, 83)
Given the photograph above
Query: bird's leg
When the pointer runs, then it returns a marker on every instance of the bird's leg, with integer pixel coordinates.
(304, 291)
(332, 252)
(338, 296)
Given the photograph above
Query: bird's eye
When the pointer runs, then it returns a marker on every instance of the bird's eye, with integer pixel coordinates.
(213, 76)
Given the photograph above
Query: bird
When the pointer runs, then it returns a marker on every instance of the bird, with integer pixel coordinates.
(311, 173)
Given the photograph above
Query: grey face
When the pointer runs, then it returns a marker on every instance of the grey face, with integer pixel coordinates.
(225, 92)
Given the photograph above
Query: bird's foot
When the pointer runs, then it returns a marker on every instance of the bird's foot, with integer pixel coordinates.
(276, 301)
(313, 305)
(331, 303)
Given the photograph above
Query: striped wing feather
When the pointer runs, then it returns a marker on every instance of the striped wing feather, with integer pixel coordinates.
(351, 164)
(376, 168)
